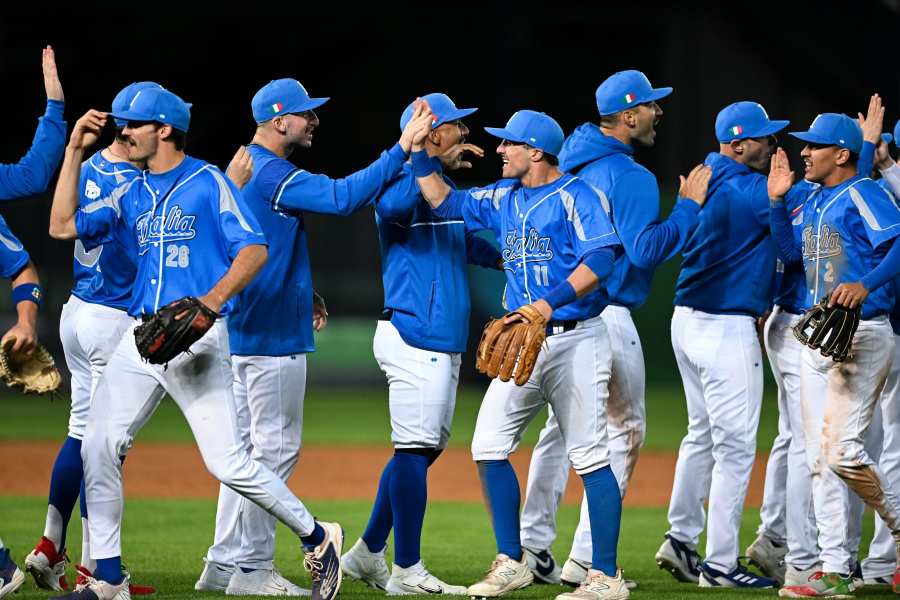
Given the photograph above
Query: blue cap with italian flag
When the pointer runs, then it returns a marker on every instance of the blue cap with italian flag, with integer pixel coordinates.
(626, 89)
(281, 97)
(745, 120)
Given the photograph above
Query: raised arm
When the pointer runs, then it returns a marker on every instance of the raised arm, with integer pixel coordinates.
(65, 198)
(32, 173)
(871, 125)
(779, 183)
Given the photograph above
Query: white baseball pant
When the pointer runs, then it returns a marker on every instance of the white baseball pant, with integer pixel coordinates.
(882, 558)
(626, 427)
(268, 398)
(838, 401)
(572, 375)
(720, 362)
(200, 383)
(421, 389)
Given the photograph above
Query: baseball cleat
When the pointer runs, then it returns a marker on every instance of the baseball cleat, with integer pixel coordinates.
(795, 576)
(543, 566)
(599, 586)
(11, 578)
(47, 566)
(417, 580)
(214, 578)
(881, 580)
(263, 582)
(369, 567)
(83, 574)
(574, 571)
(324, 563)
(768, 556)
(505, 575)
(94, 589)
(739, 577)
(819, 584)
(679, 559)
(857, 581)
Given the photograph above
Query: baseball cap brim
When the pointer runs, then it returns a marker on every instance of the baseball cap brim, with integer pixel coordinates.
(503, 134)
(808, 136)
(772, 128)
(310, 104)
(658, 94)
(887, 138)
(133, 115)
(454, 115)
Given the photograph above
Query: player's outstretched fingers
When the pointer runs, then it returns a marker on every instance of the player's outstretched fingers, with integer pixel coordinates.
(52, 85)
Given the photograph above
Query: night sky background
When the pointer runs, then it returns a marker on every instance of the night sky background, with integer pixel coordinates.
(796, 58)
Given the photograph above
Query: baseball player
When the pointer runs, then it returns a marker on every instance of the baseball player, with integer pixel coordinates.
(724, 286)
(11, 578)
(603, 156)
(91, 324)
(847, 249)
(194, 237)
(418, 342)
(557, 244)
(271, 330)
(881, 563)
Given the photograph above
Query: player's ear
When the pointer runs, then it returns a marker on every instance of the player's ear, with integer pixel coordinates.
(279, 124)
(434, 136)
(628, 117)
(737, 146)
(164, 131)
(842, 157)
(537, 155)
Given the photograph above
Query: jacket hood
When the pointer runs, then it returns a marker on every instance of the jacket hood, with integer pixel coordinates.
(587, 144)
(723, 169)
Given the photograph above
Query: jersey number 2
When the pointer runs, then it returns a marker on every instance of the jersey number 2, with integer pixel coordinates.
(178, 256)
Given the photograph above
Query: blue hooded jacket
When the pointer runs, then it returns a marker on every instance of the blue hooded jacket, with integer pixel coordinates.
(630, 196)
(729, 260)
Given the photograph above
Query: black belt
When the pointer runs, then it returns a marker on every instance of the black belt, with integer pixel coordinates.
(386, 315)
(557, 327)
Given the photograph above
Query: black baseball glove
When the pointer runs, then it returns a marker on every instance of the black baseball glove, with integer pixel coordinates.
(829, 329)
(172, 329)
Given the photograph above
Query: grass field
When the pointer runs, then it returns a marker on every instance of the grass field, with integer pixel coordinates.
(360, 416)
(166, 540)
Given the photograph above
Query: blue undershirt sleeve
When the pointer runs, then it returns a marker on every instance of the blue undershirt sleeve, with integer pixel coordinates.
(887, 269)
(783, 234)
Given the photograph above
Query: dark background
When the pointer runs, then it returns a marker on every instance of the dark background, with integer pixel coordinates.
(796, 58)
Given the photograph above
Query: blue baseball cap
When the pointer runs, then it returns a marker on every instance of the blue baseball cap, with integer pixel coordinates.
(534, 128)
(126, 95)
(887, 138)
(745, 120)
(833, 129)
(282, 97)
(626, 89)
(442, 107)
(897, 133)
(156, 104)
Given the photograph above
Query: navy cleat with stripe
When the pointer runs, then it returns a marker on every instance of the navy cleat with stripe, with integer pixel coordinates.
(11, 578)
(679, 559)
(324, 563)
(740, 577)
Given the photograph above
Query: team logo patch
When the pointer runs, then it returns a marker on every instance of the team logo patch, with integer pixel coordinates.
(629, 98)
(736, 130)
(277, 107)
(91, 190)
(824, 245)
(533, 247)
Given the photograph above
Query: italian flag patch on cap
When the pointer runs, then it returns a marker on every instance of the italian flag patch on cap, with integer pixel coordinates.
(736, 130)
(277, 107)
(629, 98)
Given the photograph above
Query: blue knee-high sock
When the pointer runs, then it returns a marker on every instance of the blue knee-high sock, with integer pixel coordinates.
(409, 493)
(605, 511)
(65, 483)
(501, 489)
(109, 570)
(382, 517)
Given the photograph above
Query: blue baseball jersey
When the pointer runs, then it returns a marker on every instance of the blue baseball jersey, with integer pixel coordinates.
(105, 274)
(273, 314)
(188, 224)
(423, 266)
(31, 175)
(729, 259)
(13, 257)
(790, 279)
(544, 232)
(629, 194)
(846, 230)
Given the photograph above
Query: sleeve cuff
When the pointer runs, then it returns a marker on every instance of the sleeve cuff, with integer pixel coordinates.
(688, 205)
(55, 109)
(397, 152)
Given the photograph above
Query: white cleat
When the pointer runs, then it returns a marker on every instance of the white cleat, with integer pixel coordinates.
(214, 578)
(768, 557)
(794, 576)
(543, 566)
(505, 575)
(417, 580)
(102, 590)
(599, 586)
(575, 571)
(369, 567)
(263, 582)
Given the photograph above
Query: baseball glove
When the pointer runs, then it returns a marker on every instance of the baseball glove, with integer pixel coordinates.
(172, 329)
(32, 373)
(828, 329)
(510, 348)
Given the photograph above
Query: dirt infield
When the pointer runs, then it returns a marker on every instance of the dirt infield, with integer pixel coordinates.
(324, 473)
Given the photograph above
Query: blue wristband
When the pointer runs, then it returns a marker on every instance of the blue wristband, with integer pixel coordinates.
(28, 291)
(421, 164)
(561, 295)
